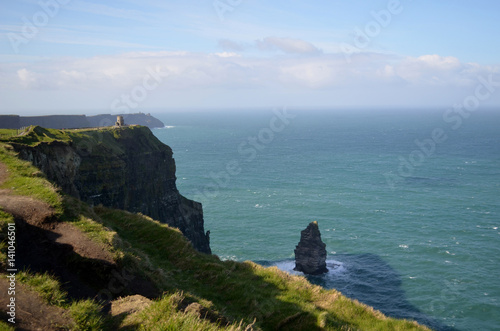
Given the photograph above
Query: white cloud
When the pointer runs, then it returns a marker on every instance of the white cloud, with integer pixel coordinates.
(74, 75)
(188, 69)
(439, 70)
(388, 71)
(440, 62)
(193, 77)
(228, 54)
(27, 79)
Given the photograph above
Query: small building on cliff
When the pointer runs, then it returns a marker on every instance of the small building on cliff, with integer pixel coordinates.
(119, 121)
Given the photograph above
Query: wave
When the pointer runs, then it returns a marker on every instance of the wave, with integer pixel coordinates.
(334, 267)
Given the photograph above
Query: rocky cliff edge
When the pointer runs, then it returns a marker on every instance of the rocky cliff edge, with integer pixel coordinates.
(124, 168)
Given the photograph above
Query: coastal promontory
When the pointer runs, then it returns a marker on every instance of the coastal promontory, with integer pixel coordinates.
(119, 167)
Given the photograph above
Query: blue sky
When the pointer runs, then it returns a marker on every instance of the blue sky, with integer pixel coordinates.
(89, 56)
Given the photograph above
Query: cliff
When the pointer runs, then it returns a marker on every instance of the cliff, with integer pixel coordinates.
(124, 168)
(77, 121)
(10, 122)
(56, 121)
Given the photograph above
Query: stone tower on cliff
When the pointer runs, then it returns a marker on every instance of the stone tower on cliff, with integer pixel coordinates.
(119, 121)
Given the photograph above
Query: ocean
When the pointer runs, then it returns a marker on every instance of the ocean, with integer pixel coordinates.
(408, 201)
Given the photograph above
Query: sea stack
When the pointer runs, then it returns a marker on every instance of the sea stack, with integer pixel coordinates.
(310, 253)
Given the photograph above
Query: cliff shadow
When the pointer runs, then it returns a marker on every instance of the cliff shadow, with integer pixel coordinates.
(370, 280)
(82, 277)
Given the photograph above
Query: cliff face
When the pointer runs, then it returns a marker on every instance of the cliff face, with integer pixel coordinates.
(125, 168)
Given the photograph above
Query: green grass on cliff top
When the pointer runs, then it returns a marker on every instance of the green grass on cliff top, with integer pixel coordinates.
(35, 135)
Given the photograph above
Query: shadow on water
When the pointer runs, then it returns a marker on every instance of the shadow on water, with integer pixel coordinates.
(368, 279)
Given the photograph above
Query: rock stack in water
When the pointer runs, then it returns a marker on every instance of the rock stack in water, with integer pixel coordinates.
(310, 253)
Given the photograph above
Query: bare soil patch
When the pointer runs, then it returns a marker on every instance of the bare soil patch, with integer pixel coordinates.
(67, 234)
(33, 211)
(32, 313)
(3, 173)
(129, 305)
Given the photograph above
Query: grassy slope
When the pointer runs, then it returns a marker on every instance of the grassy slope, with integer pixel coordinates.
(24, 179)
(244, 293)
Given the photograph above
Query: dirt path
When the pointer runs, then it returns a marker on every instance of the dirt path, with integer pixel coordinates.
(3, 173)
(32, 313)
(40, 214)
(68, 234)
(32, 211)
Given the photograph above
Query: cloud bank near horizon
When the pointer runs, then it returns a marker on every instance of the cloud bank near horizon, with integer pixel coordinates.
(299, 69)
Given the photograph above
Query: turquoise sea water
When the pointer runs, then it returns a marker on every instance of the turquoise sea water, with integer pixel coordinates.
(411, 224)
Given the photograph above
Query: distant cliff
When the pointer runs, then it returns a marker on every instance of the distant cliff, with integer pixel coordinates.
(10, 122)
(125, 168)
(77, 121)
(137, 119)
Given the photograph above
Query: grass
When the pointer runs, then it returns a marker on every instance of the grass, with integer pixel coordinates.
(5, 219)
(25, 179)
(4, 326)
(34, 135)
(47, 286)
(164, 315)
(244, 291)
(87, 315)
(83, 217)
(98, 140)
(8, 133)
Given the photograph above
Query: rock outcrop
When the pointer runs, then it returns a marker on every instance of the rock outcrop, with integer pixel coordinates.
(310, 253)
(125, 168)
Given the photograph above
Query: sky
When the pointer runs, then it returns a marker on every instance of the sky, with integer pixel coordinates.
(87, 56)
